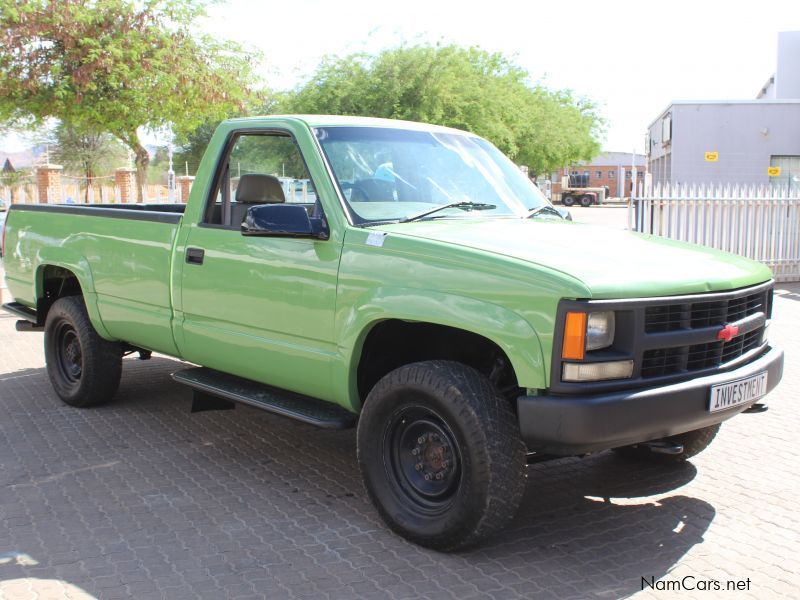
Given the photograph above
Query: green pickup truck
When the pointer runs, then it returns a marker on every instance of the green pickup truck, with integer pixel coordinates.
(409, 280)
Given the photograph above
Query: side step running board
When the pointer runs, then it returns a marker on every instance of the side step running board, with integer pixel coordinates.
(288, 404)
(21, 311)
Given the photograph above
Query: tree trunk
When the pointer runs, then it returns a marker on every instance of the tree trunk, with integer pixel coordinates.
(89, 178)
(142, 161)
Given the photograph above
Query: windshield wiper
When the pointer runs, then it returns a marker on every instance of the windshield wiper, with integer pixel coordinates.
(466, 205)
(544, 207)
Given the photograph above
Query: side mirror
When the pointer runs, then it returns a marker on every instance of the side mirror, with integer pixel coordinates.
(283, 220)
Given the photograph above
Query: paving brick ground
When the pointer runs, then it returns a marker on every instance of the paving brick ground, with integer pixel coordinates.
(141, 499)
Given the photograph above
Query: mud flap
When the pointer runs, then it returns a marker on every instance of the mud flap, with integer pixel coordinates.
(202, 402)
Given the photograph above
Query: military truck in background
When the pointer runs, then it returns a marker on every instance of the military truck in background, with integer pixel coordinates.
(575, 190)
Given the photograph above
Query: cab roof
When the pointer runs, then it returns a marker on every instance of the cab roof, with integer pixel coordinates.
(351, 121)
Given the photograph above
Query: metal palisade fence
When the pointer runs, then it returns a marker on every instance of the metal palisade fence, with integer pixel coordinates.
(760, 222)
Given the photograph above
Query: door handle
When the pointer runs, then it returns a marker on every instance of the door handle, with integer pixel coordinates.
(195, 256)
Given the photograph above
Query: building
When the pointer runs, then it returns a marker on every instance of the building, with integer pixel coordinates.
(734, 141)
(20, 160)
(609, 169)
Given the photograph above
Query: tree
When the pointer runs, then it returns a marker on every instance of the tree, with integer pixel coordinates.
(192, 144)
(85, 152)
(117, 66)
(466, 88)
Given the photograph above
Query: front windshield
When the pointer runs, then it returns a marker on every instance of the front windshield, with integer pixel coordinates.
(388, 174)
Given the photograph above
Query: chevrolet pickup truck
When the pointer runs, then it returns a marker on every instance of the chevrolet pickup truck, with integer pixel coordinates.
(409, 280)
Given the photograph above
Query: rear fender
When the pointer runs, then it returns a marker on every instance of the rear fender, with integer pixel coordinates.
(78, 265)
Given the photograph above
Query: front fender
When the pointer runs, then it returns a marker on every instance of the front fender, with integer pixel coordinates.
(508, 330)
(76, 263)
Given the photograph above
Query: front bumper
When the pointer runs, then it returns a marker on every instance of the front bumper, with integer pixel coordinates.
(567, 425)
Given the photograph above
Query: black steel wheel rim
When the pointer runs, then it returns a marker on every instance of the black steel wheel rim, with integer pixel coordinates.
(69, 354)
(422, 458)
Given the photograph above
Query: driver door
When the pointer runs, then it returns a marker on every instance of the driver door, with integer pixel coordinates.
(260, 307)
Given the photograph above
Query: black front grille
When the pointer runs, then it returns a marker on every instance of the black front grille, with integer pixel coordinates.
(698, 357)
(697, 314)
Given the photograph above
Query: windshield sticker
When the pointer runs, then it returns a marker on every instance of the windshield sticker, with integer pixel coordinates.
(376, 238)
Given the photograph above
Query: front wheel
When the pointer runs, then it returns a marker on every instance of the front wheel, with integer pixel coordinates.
(441, 454)
(586, 200)
(693, 442)
(568, 200)
(84, 369)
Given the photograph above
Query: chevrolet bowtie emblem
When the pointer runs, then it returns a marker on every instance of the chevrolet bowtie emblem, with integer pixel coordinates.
(728, 332)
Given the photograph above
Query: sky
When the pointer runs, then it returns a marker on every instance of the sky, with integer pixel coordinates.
(631, 57)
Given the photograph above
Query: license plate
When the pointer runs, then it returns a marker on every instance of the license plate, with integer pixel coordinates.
(736, 393)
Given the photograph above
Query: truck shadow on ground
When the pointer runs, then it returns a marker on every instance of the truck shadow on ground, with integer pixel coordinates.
(272, 497)
(599, 525)
(790, 291)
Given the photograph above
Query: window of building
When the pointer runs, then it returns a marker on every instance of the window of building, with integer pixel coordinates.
(666, 128)
(627, 174)
(598, 174)
(789, 175)
(612, 174)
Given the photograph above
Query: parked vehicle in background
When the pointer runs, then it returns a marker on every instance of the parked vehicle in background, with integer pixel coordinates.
(546, 186)
(429, 295)
(575, 190)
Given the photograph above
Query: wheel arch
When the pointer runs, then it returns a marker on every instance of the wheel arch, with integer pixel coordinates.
(391, 315)
(392, 343)
(59, 276)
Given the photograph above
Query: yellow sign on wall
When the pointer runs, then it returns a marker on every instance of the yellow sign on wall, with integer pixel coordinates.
(774, 171)
(712, 156)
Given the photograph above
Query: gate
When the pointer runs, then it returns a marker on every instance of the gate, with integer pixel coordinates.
(761, 223)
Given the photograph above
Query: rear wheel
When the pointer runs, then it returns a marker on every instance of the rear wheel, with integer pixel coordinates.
(84, 369)
(567, 200)
(693, 442)
(587, 200)
(441, 454)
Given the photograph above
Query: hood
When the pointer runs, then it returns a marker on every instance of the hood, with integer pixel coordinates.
(611, 263)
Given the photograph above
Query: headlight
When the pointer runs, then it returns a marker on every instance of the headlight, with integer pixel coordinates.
(600, 330)
(584, 332)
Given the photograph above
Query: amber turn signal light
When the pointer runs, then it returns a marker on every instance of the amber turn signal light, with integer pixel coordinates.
(574, 345)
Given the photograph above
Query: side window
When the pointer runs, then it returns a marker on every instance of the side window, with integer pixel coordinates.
(260, 169)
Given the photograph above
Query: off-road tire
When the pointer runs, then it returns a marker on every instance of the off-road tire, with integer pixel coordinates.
(84, 369)
(467, 422)
(694, 442)
(568, 200)
(586, 200)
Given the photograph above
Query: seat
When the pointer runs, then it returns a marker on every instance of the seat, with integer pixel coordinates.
(255, 188)
(372, 190)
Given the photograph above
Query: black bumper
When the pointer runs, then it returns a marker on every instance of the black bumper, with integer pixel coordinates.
(567, 425)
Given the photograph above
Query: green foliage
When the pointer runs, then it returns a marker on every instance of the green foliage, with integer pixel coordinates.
(192, 144)
(116, 66)
(272, 155)
(465, 88)
(87, 153)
